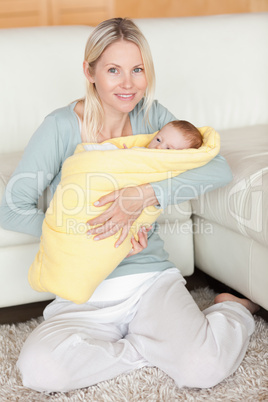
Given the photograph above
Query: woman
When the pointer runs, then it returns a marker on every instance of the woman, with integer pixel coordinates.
(142, 315)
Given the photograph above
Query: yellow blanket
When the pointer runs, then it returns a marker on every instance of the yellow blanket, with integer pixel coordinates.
(69, 263)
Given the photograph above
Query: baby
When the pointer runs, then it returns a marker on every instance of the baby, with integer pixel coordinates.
(178, 134)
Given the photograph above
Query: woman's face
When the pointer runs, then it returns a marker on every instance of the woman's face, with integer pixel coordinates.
(119, 77)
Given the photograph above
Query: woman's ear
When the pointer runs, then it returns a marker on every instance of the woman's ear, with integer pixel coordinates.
(86, 72)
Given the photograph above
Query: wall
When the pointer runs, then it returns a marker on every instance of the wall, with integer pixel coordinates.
(177, 8)
(23, 13)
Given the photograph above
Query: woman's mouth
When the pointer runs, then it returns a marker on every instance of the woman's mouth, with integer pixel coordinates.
(125, 97)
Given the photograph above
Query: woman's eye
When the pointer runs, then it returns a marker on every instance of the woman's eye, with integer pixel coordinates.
(112, 70)
(138, 70)
(158, 139)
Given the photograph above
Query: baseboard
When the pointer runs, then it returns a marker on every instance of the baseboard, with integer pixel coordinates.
(22, 313)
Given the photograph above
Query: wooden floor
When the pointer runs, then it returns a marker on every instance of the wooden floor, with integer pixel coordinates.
(15, 314)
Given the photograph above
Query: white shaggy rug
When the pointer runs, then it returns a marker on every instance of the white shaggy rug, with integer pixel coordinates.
(249, 383)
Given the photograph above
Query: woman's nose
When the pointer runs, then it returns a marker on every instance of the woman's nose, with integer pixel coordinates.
(126, 81)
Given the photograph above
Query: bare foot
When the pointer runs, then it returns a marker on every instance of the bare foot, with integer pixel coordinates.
(252, 307)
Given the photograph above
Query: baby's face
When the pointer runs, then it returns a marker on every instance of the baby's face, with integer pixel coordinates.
(169, 137)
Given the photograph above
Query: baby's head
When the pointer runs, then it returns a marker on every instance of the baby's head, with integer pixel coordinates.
(178, 134)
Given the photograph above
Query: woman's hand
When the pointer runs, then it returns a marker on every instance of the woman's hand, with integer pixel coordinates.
(141, 243)
(127, 205)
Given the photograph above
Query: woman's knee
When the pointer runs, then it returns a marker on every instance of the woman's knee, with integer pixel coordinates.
(207, 367)
(40, 370)
(200, 372)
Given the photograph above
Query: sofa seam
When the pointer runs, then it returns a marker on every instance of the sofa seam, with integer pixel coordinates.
(250, 270)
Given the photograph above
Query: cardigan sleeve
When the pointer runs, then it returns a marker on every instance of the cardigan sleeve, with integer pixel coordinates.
(40, 164)
(193, 183)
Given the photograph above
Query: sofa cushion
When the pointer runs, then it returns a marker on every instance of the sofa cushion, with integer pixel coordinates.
(176, 213)
(9, 238)
(241, 205)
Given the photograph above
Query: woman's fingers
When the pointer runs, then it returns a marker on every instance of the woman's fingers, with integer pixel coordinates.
(126, 206)
(104, 216)
(107, 230)
(107, 198)
(110, 219)
(140, 244)
(123, 235)
(142, 236)
(104, 226)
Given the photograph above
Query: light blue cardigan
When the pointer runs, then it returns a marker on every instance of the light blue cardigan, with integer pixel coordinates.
(56, 139)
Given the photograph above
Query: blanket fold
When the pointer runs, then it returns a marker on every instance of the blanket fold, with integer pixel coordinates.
(70, 263)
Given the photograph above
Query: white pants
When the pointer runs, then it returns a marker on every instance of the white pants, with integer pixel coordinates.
(80, 345)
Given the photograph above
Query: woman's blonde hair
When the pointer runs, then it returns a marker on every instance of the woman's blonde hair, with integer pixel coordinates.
(106, 33)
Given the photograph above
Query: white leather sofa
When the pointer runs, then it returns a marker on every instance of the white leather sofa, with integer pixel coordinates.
(210, 71)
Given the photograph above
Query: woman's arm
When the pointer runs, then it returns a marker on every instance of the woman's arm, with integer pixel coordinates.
(193, 183)
(39, 165)
(128, 203)
(186, 186)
